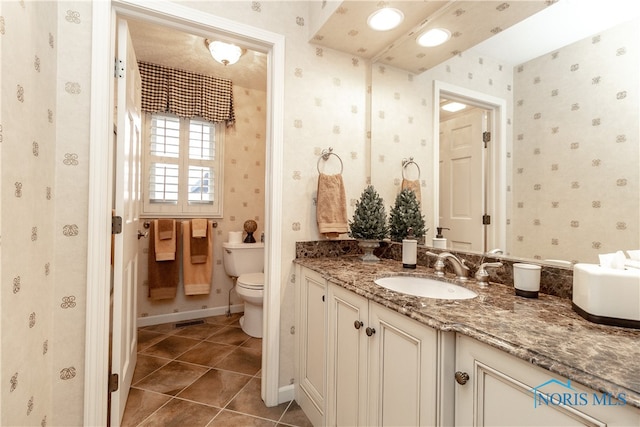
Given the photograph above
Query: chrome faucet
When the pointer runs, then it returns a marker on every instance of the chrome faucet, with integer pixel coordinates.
(482, 276)
(462, 271)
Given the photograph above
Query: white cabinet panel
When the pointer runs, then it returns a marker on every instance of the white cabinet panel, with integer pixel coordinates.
(500, 392)
(312, 349)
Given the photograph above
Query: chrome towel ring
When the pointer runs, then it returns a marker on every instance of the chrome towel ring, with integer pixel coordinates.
(408, 162)
(325, 156)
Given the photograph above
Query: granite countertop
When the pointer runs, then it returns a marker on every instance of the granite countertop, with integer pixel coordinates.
(544, 331)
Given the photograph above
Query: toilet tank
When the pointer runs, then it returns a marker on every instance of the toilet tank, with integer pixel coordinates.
(241, 258)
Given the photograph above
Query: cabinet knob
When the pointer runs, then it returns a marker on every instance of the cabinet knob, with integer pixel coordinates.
(370, 331)
(461, 377)
(358, 324)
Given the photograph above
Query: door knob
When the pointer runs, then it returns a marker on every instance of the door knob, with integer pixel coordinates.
(141, 234)
(461, 377)
(370, 331)
(358, 324)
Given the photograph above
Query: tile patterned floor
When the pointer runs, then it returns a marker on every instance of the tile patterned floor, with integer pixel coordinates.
(202, 375)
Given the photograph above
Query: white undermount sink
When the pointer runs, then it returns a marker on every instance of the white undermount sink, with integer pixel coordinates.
(425, 287)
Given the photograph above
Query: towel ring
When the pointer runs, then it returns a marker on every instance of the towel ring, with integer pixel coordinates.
(325, 156)
(406, 163)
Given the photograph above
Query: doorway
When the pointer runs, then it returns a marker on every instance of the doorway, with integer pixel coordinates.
(98, 268)
(490, 198)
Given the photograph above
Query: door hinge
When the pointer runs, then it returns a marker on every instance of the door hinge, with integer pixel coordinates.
(114, 380)
(116, 224)
(486, 219)
(486, 137)
(118, 69)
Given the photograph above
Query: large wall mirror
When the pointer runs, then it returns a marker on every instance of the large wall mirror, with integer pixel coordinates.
(560, 176)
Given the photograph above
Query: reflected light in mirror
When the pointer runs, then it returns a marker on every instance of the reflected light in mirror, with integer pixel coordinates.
(434, 37)
(453, 107)
(385, 19)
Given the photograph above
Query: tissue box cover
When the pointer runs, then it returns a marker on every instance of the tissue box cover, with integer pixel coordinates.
(606, 295)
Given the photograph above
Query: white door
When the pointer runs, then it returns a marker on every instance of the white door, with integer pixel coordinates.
(462, 180)
(127, 203)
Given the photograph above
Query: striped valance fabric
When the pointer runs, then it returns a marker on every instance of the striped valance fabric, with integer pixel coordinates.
(186, 94)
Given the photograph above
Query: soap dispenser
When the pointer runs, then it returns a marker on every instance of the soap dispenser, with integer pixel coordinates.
(440, 241)
(409, 251)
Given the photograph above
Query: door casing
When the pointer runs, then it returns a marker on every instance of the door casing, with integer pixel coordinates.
(101, 174)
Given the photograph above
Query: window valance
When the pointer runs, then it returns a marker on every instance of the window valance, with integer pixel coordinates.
(186, 94)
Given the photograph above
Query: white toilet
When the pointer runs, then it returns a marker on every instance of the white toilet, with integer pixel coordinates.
(246, 262)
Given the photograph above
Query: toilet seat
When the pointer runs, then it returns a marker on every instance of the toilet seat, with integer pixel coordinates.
(251, 281)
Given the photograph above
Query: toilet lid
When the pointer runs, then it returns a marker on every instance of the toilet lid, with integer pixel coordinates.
(251, 280)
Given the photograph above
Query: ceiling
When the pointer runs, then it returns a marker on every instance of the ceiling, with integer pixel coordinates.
(470, 22)
(487, 27)
(176, 49)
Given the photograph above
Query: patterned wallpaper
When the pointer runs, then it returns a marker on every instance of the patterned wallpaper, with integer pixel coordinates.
(402, 119)
(576, 149)
(244, 190)
(44, 135)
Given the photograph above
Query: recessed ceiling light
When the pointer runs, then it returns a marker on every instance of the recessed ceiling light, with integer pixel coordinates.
(452, 107)
(434, 37)
(385, 19)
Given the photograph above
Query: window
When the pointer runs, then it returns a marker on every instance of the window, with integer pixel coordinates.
(183, 161)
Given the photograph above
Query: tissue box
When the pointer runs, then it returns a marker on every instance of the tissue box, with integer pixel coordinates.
(606, 295)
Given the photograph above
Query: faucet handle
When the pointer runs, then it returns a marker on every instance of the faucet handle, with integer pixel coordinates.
(482, 276)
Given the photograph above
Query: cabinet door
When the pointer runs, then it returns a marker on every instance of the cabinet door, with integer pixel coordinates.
(402, 371)
(500, 392)
(312, 324)
(347, 358)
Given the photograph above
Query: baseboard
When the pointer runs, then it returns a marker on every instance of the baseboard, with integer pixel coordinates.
(286, 393)
(187, 315)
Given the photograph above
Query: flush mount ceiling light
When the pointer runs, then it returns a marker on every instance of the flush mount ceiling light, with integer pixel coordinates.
(434, 37)
(224, 53)
(385, 19)
(452, 107)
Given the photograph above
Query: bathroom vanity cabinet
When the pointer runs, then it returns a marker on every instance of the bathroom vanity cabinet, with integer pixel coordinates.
(381, 365)
(311, 348)
(500, 389)
(374, 366)
(361, 362)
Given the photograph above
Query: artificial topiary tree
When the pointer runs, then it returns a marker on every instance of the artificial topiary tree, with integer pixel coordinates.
(406, 215)
(370, 218)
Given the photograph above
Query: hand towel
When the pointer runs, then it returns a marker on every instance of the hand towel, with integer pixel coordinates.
(199, 246)
(331, 208)
(165, 250)
(413, 185)
(199, 227)
(163, 277)
(166, 229)
(196, 277)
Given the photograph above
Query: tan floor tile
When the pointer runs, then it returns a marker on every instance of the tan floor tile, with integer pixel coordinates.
(180, 413)
(146, 365)
(170, 347)
(248, 401)
(164, 328)
(148, 338)
(198, 332)
(224, 320)
(215, 388)
(172, 378)
(229, 335)
(141, 404)
(244, 360)
(207, 353)
(295, 416)
(253, 343)
(232, 419)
